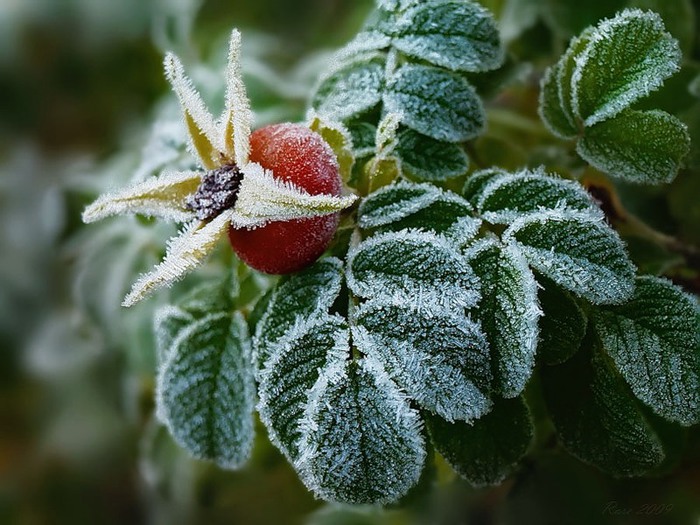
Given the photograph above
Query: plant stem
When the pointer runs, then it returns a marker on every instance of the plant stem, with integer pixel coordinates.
(635, 226)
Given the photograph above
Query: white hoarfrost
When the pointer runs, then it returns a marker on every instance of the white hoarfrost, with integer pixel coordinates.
(413, 265)
(205, 392)
(577, 251)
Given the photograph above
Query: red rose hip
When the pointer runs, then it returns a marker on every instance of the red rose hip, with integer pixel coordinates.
(296, 154)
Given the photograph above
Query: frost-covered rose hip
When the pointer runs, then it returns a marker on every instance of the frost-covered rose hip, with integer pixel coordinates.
(275, 192)
(293, 153)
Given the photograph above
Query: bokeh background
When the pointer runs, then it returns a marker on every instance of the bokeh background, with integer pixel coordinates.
(84, 107)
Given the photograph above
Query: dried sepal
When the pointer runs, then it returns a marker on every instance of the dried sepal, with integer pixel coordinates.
(264, 198)
(162, 196)
(204, 135)
(185, 252)
(237, 117)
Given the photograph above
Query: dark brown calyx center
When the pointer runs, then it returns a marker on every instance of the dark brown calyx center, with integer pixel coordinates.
(217, 192)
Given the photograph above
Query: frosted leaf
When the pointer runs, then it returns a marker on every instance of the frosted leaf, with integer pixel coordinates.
(508, 312)
(205, 138)
(639, 146)
(566, 71)
(457, 35)
(678, 17)
(263, 198)
(597, 419)
(205, 392)
(185, 252)
(477, 182)
(439, 357)
(578, 252)
(396, 5)
(237, 117)
(412, 265)
(407, 205)
(339, 139)
(551, 107)
(292, 370)
(162, 196)
(211, 295)
(367, 40)
(297, 297)
(562, 326)
(654, 340)
(424, 158)
(626, 58)
(362, 442)
(351, 88)
(168, 322)
(504, 199)
(435, 102)
(363, 136)
(385, 138)
(488, 450)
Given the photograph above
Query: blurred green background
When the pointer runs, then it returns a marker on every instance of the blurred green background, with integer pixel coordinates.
(84, 107)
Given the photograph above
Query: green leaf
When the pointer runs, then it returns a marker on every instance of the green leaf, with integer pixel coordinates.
(678, 17)
(565, 82)
(407, 205)
(576, 251)
(488, 450)
(627, 57)
(396, 5)
(363, 138)
(504, 199)
(438, 356)
(477, 182)
(169, 320)
(363, 442)
(205, 391)
(292, 371)
(435, 102)
(552, 108)
(654, 340)
(597, 419)
(639, 146)
(352, 88)
(457, 35)
(413, 266)
(424, 158)
(508, 312)
(556, 88)
(298, 297)
(562, 325)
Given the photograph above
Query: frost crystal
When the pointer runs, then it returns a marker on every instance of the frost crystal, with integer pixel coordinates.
(440, 358)
(509, 313)
(578, 252)
(205, 390)
(654, 340)
(362, 442)
(414, 265)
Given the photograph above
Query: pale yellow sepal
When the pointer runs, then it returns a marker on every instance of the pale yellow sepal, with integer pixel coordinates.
(185, 252)
(162, 197)
(263, 199)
